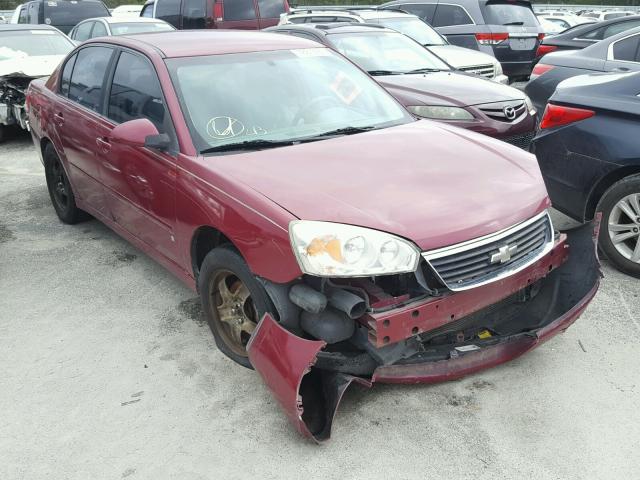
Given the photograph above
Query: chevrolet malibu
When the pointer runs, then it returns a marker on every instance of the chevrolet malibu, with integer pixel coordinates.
(333, 238)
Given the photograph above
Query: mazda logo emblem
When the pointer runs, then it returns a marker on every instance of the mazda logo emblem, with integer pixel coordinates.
(509, 112)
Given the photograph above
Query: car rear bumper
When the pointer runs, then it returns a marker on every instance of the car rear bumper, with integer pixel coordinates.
(309, 389)
(517, 69)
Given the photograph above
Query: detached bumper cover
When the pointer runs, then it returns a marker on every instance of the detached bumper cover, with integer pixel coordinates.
(310, 396)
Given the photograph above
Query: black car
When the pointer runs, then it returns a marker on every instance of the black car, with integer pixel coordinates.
(584, 35)
(506, 29)
(62, 14)
(588, 148)
(620, 53)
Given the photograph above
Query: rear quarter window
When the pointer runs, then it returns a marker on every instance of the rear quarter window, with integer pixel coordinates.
(450, 15)
(511, 13)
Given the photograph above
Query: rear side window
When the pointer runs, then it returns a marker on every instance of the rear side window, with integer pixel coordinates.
(193, 14)
(88, 75)
(425, 11)
(270, 8)
(66, 75)
(447, 15)
(627, 49)
(512, 13)
(169, 11)
(239, 10)
(135, 92)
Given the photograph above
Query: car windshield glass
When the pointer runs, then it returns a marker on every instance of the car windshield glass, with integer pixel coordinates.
(611, 16)
(414, 28)
(139, 27)
(386, 51)
(26, 43)
(277, 96)
(510, 14)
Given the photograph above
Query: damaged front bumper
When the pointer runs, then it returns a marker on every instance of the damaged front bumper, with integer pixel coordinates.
(309, 378)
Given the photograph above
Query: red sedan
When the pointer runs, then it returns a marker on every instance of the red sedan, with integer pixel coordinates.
(332, 237)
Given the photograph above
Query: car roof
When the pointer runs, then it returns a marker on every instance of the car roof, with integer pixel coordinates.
(5, 27)
(330, 28)
(193, 43)
(363, 12)
(111, 20)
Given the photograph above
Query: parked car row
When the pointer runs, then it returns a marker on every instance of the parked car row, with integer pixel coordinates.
(333, 236)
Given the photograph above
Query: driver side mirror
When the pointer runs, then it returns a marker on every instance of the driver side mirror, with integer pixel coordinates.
(140, 133)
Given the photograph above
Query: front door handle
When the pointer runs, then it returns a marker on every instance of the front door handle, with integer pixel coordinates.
(103, 144)
(58, 118)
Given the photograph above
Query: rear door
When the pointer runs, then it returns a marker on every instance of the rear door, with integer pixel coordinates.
(518, 22)
(269, 12)
(239, 14)
(76, 115)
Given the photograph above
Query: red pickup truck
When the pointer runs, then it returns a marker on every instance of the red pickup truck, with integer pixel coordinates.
(333, 237)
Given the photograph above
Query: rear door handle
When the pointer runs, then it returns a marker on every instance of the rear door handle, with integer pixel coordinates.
(103, 145)
(58, 118)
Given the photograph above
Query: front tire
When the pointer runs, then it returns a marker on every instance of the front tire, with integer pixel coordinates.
(60, 191)
(233, 301)
(620, 231)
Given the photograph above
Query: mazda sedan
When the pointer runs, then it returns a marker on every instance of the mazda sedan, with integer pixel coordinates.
(333, 238)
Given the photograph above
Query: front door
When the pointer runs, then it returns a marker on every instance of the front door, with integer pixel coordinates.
(139, 182)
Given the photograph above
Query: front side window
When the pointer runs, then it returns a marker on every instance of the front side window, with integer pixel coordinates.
(270, 8)
(239, 10)
(627, 49)
(25, 43)
(448, 15)
(135, 92)
(386, 53)
(282, 95)
(414, 28)
(88, 76)
(510, 13)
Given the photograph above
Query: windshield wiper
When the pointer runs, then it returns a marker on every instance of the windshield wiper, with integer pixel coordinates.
(383, 72)
(340, 132)
(248, 145)
(513, 23)
(423, 70)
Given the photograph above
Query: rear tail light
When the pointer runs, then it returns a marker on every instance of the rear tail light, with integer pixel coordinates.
(540, 69)
(217, 11)
(557, 115)
(541, 36)
(544, 49)
(491, 38)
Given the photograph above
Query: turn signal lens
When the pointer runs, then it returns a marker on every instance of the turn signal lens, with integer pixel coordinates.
(557, 115)
(491, 38)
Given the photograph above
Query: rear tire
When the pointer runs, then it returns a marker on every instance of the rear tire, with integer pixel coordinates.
(60, 191)
(233, 301)
(620, 231)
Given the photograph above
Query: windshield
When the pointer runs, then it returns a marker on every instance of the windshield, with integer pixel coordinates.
(283, 95)
(386, 52)
(139, 27)
(611, 16)
(26, 43)
(414, 28)
(510, 14)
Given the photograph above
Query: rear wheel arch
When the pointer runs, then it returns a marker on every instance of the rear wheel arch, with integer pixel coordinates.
(605, 184)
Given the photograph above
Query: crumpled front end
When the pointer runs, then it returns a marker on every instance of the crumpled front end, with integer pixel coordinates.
(13, 89)
(424, 339)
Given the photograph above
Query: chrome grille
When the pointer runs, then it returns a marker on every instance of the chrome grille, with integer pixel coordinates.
(497, 110)
(486, 71)
(493, 257)
(522, 141)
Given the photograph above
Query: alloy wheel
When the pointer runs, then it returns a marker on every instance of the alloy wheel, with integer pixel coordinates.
(59, 184)
(624, 227)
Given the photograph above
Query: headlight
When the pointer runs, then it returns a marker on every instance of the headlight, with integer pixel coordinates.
(440, 113)
(529, 103)
(335, 250)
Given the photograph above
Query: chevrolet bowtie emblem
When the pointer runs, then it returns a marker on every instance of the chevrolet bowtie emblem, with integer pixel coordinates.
(504, 254)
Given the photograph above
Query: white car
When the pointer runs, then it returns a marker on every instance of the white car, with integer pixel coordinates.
(607, 14)
(550, 27)
(465, 59)
(127, 11)
(107, 26)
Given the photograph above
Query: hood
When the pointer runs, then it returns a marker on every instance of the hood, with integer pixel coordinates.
(460, 57)
(39, 66)
(428, 182)
(446, 88)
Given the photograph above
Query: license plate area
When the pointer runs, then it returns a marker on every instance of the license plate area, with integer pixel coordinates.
(522, 43)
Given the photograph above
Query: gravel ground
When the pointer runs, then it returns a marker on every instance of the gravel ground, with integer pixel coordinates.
(109, 372)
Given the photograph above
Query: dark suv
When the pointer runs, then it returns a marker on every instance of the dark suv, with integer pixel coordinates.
(235, 14)
(62, 14)
(509, 30)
